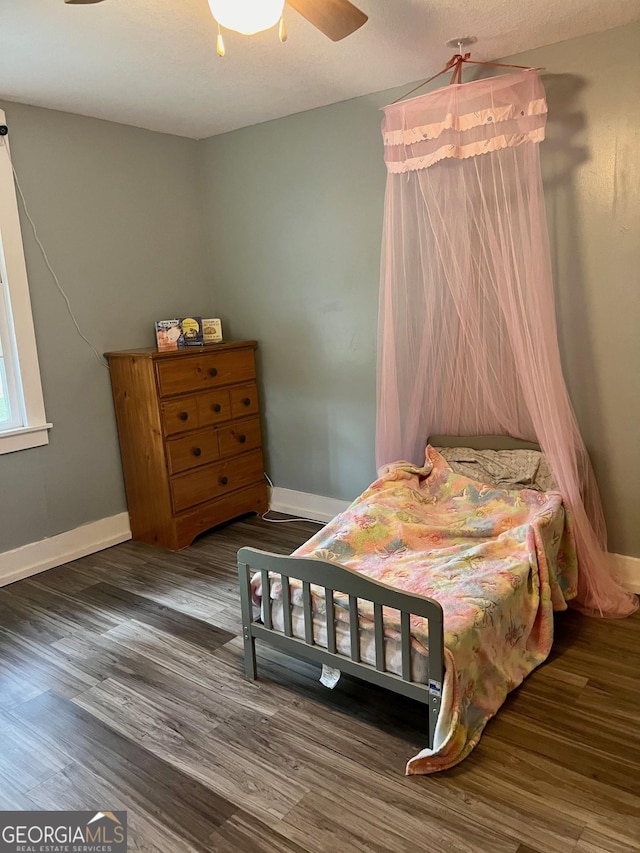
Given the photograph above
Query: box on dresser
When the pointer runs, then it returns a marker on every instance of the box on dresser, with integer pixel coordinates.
(189, 430)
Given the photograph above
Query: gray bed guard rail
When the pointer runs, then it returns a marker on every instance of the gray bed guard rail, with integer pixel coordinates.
(335, 578)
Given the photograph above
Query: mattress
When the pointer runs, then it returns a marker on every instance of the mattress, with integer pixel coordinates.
(392, 648)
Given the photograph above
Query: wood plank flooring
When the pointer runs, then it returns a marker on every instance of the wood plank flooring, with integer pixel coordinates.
(122, 687)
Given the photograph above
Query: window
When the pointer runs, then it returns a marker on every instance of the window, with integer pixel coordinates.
(11, 407)
(22, 418)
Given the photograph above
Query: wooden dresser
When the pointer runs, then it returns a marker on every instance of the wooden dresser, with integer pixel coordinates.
(189, 428)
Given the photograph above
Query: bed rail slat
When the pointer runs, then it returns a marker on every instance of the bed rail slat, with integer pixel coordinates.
(308, 616)
(286, 606)
(405, 641)
(353, 627)
(266, 599)
(331, 620)
(379, 637)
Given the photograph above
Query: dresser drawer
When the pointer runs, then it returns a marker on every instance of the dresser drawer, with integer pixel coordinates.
(172, 409)
(190, 451)
(239, 437)
(179, 415)
(203, 484)
(196, 373)
(213, 407)
(244, 400)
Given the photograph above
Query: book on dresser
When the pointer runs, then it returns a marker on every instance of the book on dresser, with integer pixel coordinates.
(190, 441)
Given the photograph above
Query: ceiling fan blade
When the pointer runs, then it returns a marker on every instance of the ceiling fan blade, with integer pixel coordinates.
(82, 2)
(337, 19)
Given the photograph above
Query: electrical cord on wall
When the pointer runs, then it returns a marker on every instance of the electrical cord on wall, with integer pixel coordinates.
(53, 275)
(284, 520)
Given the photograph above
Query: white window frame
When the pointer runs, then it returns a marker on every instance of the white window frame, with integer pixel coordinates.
(29, 427)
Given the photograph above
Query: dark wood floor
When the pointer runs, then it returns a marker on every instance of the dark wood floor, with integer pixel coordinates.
(121, 687)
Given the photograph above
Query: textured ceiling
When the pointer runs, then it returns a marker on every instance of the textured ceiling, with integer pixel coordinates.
(153, 64)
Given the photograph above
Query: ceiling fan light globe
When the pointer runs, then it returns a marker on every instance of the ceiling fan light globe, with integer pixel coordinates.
(247, 16)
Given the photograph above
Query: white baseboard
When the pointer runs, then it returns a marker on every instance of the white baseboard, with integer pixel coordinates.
(63, 548)
(304, 505)
(627, 570)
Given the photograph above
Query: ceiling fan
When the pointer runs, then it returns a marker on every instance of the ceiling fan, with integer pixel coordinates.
(335, 18)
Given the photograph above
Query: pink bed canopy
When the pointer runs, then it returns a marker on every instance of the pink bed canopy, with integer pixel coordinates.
(467, 341)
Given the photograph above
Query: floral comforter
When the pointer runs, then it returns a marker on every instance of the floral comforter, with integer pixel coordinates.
(499, 562)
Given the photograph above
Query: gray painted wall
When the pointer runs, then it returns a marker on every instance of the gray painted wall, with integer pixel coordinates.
(591, 170)
(294, 213)
(294, 208)
(118, 210)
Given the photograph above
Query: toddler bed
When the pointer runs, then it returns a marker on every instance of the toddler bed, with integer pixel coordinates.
(432, 584)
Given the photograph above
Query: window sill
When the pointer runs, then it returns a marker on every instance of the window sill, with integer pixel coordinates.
(24, 438)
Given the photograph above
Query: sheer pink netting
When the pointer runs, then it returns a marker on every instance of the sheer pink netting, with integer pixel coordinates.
(467, 341)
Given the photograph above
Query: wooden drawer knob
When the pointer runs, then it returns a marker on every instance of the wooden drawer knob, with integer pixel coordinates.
(246, 401)
(213, 371)
(197, 451)
(242, 439)
(216, 407)
(184, 416)
(224, 481)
